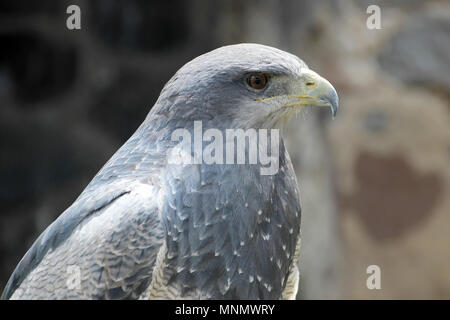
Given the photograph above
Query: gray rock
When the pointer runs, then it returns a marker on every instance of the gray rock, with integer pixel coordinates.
(420, 53)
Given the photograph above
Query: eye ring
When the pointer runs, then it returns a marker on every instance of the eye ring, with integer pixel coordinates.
(257, 81)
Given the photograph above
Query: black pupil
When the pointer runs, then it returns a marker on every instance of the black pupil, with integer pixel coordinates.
(257, 81)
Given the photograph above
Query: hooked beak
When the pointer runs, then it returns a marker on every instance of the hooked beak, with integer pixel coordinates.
(315, 91)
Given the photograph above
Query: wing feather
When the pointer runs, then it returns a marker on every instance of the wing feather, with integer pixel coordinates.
(102, 247)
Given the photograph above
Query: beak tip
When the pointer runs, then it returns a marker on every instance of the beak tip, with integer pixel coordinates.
(334, 103)
(334, 108)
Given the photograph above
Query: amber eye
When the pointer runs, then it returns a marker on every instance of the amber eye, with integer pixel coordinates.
(257, 81)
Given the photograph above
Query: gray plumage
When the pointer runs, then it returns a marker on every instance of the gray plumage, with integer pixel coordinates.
(144, 228)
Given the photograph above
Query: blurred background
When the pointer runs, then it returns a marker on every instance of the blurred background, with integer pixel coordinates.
(375, 181)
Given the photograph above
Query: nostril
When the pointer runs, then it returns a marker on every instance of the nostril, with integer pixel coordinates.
(310, 83)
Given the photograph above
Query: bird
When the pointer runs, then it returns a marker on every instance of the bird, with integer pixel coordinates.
(148, 227)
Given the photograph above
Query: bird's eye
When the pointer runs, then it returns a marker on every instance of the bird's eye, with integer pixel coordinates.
(257, 81)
